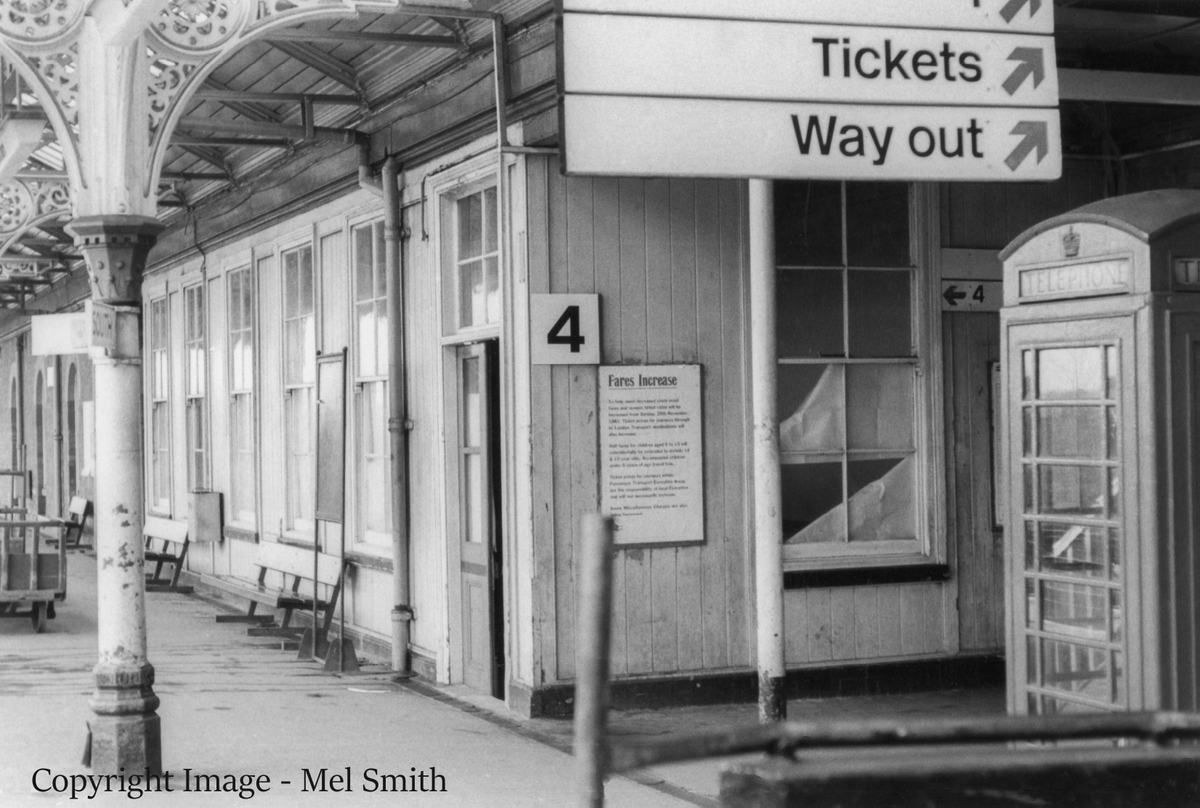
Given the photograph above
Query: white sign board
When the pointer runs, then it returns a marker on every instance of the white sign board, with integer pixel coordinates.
(830, 89)
(693, 137)
(651, 453)
(1035, 16)
(564, 329)
(74, 332)
(969, 295)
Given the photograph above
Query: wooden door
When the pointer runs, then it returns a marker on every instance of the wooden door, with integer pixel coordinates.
(972, 356)
(479, 533)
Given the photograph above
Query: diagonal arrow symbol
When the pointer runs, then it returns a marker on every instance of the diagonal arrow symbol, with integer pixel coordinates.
(1013, 6)
(1035, 135)
(1032, 63)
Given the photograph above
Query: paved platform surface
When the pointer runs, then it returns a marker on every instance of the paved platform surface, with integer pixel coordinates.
(239, 707)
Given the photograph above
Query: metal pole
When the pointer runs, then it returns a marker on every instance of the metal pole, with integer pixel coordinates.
(768, 526)
(594, 578)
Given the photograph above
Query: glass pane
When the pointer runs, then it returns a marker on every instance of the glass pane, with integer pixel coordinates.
(373, 495)
(1028, 389)
(294, 335)
(1031, 604)
(812, 503)
(380, 269)
(1027, 432)
(363, 281)
(1071, 432)
(1072, 490)
(291, 285)
(877, 224)
(365, 316)
(471, 404)
(1114, 554)
(1113, 370)
(235, 301)
(1112, 442)
(1118, 677)
(1071, 373)
(470, 292)
(473, 498)
(882, 501)
(306, 282)
(811, 408)
(1118, 622)
(880, 310)
(1072, 549)
(1031, 546)
(1075, 610)
(1031, 666)
(809, 313)
(879, 406)
(808, 223)
(492, 289)
(1052, 706)
(470, 224)
(301, 470)
(381, 338)
(489, 220)
(1076, 669)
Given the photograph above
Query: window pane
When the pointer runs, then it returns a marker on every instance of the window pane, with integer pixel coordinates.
(365, 316)
(363, 263)
(470, 227)
(373, 495)
(1076, 669)
(1066, 549)
(291, 285)
(306, 282)
(489, 220)
(492, 282)
(1070, 373)
(1075, 610)
(811, 408)
(473, 515)
(813, 511)
(880, 404)
(877, 224)
(1071, 432)
(809, 313)
(472, 431)
(1072, 490)
(471, 294)
(882, 506)
(380, 268)
(808, 224)
(880, 308)
(381, 338)
(301, 469)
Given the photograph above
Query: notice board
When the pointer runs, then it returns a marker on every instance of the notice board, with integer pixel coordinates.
(331, 437)
(652, 453)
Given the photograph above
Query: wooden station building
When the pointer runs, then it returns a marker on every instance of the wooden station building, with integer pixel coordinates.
(277, 244)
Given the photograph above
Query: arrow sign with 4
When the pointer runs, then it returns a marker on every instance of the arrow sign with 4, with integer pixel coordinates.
(960, 295)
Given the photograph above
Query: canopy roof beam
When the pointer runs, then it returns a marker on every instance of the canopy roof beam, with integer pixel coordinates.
(322, 62)
(366, 38)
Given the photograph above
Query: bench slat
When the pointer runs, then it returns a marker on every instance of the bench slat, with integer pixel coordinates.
(168, 529)
(298, 561)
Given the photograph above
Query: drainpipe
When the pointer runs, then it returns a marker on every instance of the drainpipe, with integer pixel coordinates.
(58, 435)
(402, 612)
(20, 459)
(389, 189)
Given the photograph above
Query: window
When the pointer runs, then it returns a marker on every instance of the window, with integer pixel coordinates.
(195, 350)
(243, 433)
(848, 370)
(72, 432)
(476, 259)
(39, 417)
(160, 407)
(300, 373)
(373, 495)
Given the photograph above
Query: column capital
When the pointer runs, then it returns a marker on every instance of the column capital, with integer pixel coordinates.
(115, 248)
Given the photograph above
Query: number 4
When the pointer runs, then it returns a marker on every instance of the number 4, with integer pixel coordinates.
(570, 321)
(978, 296)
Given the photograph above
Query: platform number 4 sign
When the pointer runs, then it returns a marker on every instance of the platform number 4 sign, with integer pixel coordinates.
(564, 329)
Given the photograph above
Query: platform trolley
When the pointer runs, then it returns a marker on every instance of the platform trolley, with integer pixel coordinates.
(33, 566)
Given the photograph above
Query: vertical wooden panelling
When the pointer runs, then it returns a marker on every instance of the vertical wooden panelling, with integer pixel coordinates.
(866, 622)
(972, 343)
(335, 293)
(889, 621)
(708, 645)
(819, 627)
(841, 621)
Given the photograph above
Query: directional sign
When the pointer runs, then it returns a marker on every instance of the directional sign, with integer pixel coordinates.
(564, 329)
(966, 295)
(700, 137)
(829, 89)
(1036, 16)
(627, 55)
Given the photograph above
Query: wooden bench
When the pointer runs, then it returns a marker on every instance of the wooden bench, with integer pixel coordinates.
(77, 514)
(295, 567)
(166, 543)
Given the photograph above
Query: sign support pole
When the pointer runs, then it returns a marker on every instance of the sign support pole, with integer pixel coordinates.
(768, 527)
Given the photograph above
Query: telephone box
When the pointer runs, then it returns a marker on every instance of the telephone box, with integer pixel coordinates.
(1101, 418)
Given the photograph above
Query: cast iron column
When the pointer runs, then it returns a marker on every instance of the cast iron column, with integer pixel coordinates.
(125, 727)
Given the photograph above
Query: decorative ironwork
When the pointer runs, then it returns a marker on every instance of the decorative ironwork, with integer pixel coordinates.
(39, 22)
(16, 206)
(200, 26)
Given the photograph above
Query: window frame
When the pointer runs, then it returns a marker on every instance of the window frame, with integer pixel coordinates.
(477, 181)
(929, 545)
(370, 382)
(196, 386)
(247, 391)
(295, 527)
(159, 402)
